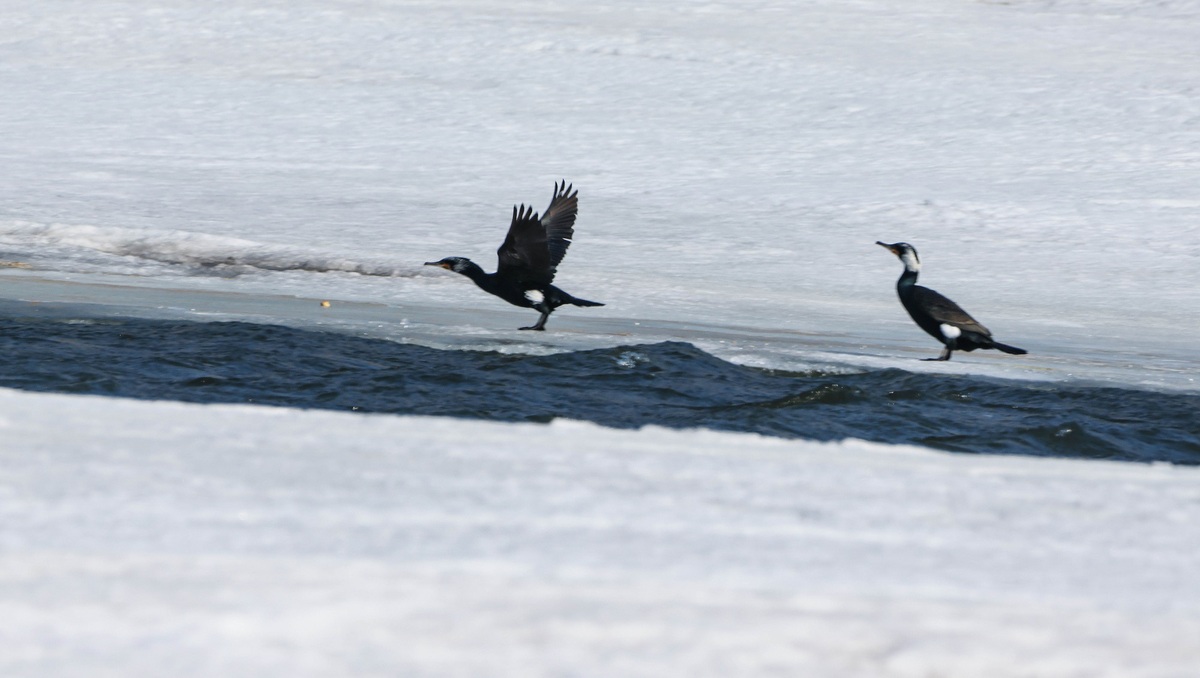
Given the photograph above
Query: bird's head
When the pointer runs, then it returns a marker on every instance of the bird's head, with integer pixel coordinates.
(907, 253)
(456, 264)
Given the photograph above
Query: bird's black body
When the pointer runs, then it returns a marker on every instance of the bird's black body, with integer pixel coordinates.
(529, 258)
(940, 317)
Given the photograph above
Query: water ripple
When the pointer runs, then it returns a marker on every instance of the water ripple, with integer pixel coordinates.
(668, 384)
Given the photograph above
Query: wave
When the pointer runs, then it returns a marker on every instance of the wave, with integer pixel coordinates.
(672, 384)
(199, 251)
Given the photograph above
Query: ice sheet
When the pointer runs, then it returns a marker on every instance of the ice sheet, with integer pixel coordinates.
(144, 538)
(735, 163)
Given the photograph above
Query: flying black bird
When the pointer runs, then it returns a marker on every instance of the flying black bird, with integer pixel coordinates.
(943, 319)
(529, 258)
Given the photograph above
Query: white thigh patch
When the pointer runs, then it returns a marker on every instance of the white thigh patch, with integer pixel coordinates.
(950, 331)
(535, 296)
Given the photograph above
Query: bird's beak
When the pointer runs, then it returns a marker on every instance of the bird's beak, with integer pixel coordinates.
(438, 264)
(889, 247)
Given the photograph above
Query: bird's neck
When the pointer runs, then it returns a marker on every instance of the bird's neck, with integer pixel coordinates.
(906, 283)
(475, 273)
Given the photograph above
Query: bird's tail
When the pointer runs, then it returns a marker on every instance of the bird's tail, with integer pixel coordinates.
(1008, 349)
(584, 302)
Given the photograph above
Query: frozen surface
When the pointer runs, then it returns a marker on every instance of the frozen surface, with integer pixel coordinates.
(736, 162)
(159, 538)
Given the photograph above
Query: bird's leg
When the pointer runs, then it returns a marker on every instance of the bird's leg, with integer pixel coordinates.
(946, 351)
(541, 323)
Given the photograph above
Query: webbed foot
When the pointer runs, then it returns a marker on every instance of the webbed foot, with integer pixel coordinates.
(541, 323)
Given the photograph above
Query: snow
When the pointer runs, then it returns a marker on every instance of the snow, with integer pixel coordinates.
(149, 538)
(1042, 156)
(736, 163)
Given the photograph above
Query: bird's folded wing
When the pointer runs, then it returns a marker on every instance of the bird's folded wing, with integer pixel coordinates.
(944, 310)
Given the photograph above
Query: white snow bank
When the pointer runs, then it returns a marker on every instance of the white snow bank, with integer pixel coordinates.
(188, 248)
(149, 539)
(736, 161)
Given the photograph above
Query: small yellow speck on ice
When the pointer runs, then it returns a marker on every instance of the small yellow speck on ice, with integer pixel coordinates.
(324, 304)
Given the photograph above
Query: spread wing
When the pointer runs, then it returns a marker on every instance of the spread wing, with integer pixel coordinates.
(534, 246)
(559, 221)
(524, 255)
(943, 310)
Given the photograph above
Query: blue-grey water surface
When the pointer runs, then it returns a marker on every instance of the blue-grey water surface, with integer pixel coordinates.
(668, 384)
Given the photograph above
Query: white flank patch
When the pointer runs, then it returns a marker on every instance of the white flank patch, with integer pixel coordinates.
(950, 331)
(535, 296)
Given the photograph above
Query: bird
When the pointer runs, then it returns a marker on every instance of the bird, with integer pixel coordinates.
(941, 318)
(529, 257)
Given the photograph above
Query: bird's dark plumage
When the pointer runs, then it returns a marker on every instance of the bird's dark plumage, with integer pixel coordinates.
(534, 247)
(529, 257)
(940, 317)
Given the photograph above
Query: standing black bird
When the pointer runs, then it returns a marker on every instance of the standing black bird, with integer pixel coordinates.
(943, 319)
(529, 258)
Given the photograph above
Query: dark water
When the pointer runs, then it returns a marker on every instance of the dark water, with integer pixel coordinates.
(668, 384)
